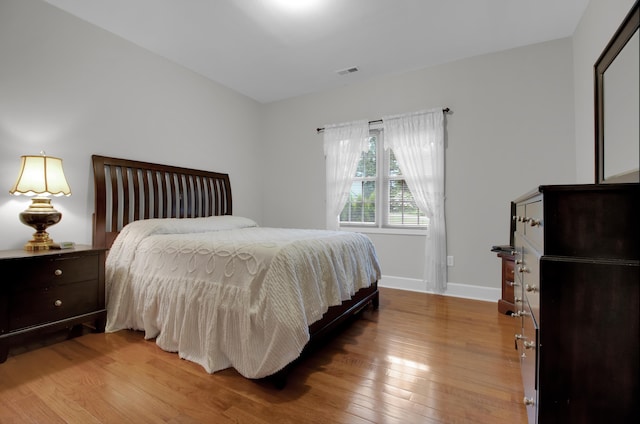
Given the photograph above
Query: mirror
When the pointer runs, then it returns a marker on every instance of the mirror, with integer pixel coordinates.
(617, 100)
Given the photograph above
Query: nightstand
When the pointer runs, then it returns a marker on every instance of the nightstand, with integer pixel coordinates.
(507, 304)
(45, 291)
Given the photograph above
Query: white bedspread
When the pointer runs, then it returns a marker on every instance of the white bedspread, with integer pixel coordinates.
(223, 292)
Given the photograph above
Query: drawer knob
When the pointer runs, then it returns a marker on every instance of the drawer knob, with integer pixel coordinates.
(58, 272)
(517, 299)
(515, 342)
(512, 283)
(519, 314)
(522, 269)
(528, 401)
(57, 303)
(529, 345)
(530, 288)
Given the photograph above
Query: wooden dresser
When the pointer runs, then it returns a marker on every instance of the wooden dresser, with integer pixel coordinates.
(577, 272)
(49, 290)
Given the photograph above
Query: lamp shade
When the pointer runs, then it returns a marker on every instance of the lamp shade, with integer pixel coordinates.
(41, 175)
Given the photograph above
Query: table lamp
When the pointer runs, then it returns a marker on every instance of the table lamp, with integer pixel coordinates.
(41, 176)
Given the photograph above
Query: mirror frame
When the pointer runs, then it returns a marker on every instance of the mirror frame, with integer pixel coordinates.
(621, 37)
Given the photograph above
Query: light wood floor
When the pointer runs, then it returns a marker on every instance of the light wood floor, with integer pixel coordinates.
(419, 359)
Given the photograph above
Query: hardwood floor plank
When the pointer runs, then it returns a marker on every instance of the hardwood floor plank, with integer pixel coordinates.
(239, 415)
(31, 409)
(11, 412)
(420, 358)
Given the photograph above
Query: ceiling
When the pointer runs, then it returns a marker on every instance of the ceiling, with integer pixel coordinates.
(269, 50)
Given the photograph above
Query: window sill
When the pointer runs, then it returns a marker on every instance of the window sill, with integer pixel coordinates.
(390, 231)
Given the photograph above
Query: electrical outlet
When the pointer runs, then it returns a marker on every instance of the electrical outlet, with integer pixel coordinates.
(449, 260)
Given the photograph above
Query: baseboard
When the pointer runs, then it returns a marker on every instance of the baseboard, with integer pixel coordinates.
(468, 291)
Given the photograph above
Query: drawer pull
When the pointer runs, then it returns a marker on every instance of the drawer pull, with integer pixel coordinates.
(522, 269)
(512, 283)
(532, 221)
(519, 261)
(528, 401)
(529, 345)
(57, 303)
(517, 299)
(519, 314)
(515, 342)
(58, 272)
(529, 288)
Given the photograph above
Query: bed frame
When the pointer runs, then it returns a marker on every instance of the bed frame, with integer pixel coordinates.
(127, 190)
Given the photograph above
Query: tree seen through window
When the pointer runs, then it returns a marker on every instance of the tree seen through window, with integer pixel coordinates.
(398, 208)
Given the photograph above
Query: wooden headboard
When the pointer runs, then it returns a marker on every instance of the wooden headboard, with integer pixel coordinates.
(127, 190)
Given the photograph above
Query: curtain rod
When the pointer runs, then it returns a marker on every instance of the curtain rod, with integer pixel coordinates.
(377, 121)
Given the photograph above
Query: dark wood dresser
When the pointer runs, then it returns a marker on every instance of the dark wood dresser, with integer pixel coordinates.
(577, 270)
(49, 290)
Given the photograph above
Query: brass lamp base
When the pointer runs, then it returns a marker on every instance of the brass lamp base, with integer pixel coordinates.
(41, 241)
(40, 215)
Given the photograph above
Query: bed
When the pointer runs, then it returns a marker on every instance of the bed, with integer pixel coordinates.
(214, 287)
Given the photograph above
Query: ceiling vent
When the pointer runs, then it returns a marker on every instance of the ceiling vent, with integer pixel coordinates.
(347, 71)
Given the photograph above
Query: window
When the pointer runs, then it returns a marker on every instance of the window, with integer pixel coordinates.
(379, 176)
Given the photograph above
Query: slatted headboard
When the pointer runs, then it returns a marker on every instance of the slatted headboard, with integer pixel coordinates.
(127, 191)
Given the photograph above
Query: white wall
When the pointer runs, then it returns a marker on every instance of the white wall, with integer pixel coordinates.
(74, 90)
(598, 24)
(511, 129)
(520, 118)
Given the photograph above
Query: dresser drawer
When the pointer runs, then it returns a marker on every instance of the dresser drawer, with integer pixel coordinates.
(520, 214)
(31, 307)
(517, 278)
(533, 228)
(41, 272)
(527, 345)
(531, 284)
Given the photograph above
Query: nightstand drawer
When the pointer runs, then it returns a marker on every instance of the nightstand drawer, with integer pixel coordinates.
(41, 272)
(52, 303)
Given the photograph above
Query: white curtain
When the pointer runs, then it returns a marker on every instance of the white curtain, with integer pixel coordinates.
(417, 140)
(343, 145)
